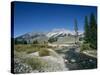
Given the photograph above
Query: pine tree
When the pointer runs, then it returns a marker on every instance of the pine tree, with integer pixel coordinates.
(25, 42)
(86, 31)
(76, 31)
(35, 42)
(93, 31)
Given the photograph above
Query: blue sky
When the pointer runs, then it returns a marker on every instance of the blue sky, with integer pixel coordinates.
(36, 17)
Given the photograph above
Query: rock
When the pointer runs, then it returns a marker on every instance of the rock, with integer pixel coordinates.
(73, 60)
(21, 67)
(66, 61)
(91, 60)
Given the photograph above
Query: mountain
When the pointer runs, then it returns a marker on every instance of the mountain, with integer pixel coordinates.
(30, 37)
(61, 33)
(58, 35)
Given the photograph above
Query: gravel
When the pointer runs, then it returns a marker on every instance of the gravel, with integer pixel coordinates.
(21, 67)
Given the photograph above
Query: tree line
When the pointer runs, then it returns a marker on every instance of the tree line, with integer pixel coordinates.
(90, 31)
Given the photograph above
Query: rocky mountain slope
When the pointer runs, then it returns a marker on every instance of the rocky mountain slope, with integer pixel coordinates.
(59, 34)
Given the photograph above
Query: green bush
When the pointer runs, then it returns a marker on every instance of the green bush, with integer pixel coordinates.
(51, 40)
(85, 47)
(44, 52)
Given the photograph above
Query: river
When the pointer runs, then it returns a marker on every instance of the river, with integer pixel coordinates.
(78, 61)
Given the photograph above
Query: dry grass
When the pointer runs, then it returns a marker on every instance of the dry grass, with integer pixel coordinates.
(30, 48)
(35, 63)
(26, 48)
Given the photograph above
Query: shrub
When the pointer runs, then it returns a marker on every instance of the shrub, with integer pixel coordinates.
(44, 52)
(35, 42)
(85, 47)
(51, 40)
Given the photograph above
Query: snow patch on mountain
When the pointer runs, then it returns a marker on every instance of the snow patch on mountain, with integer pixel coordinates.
(57, 32)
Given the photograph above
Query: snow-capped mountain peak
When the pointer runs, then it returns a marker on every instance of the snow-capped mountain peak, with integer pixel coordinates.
(57, 32)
